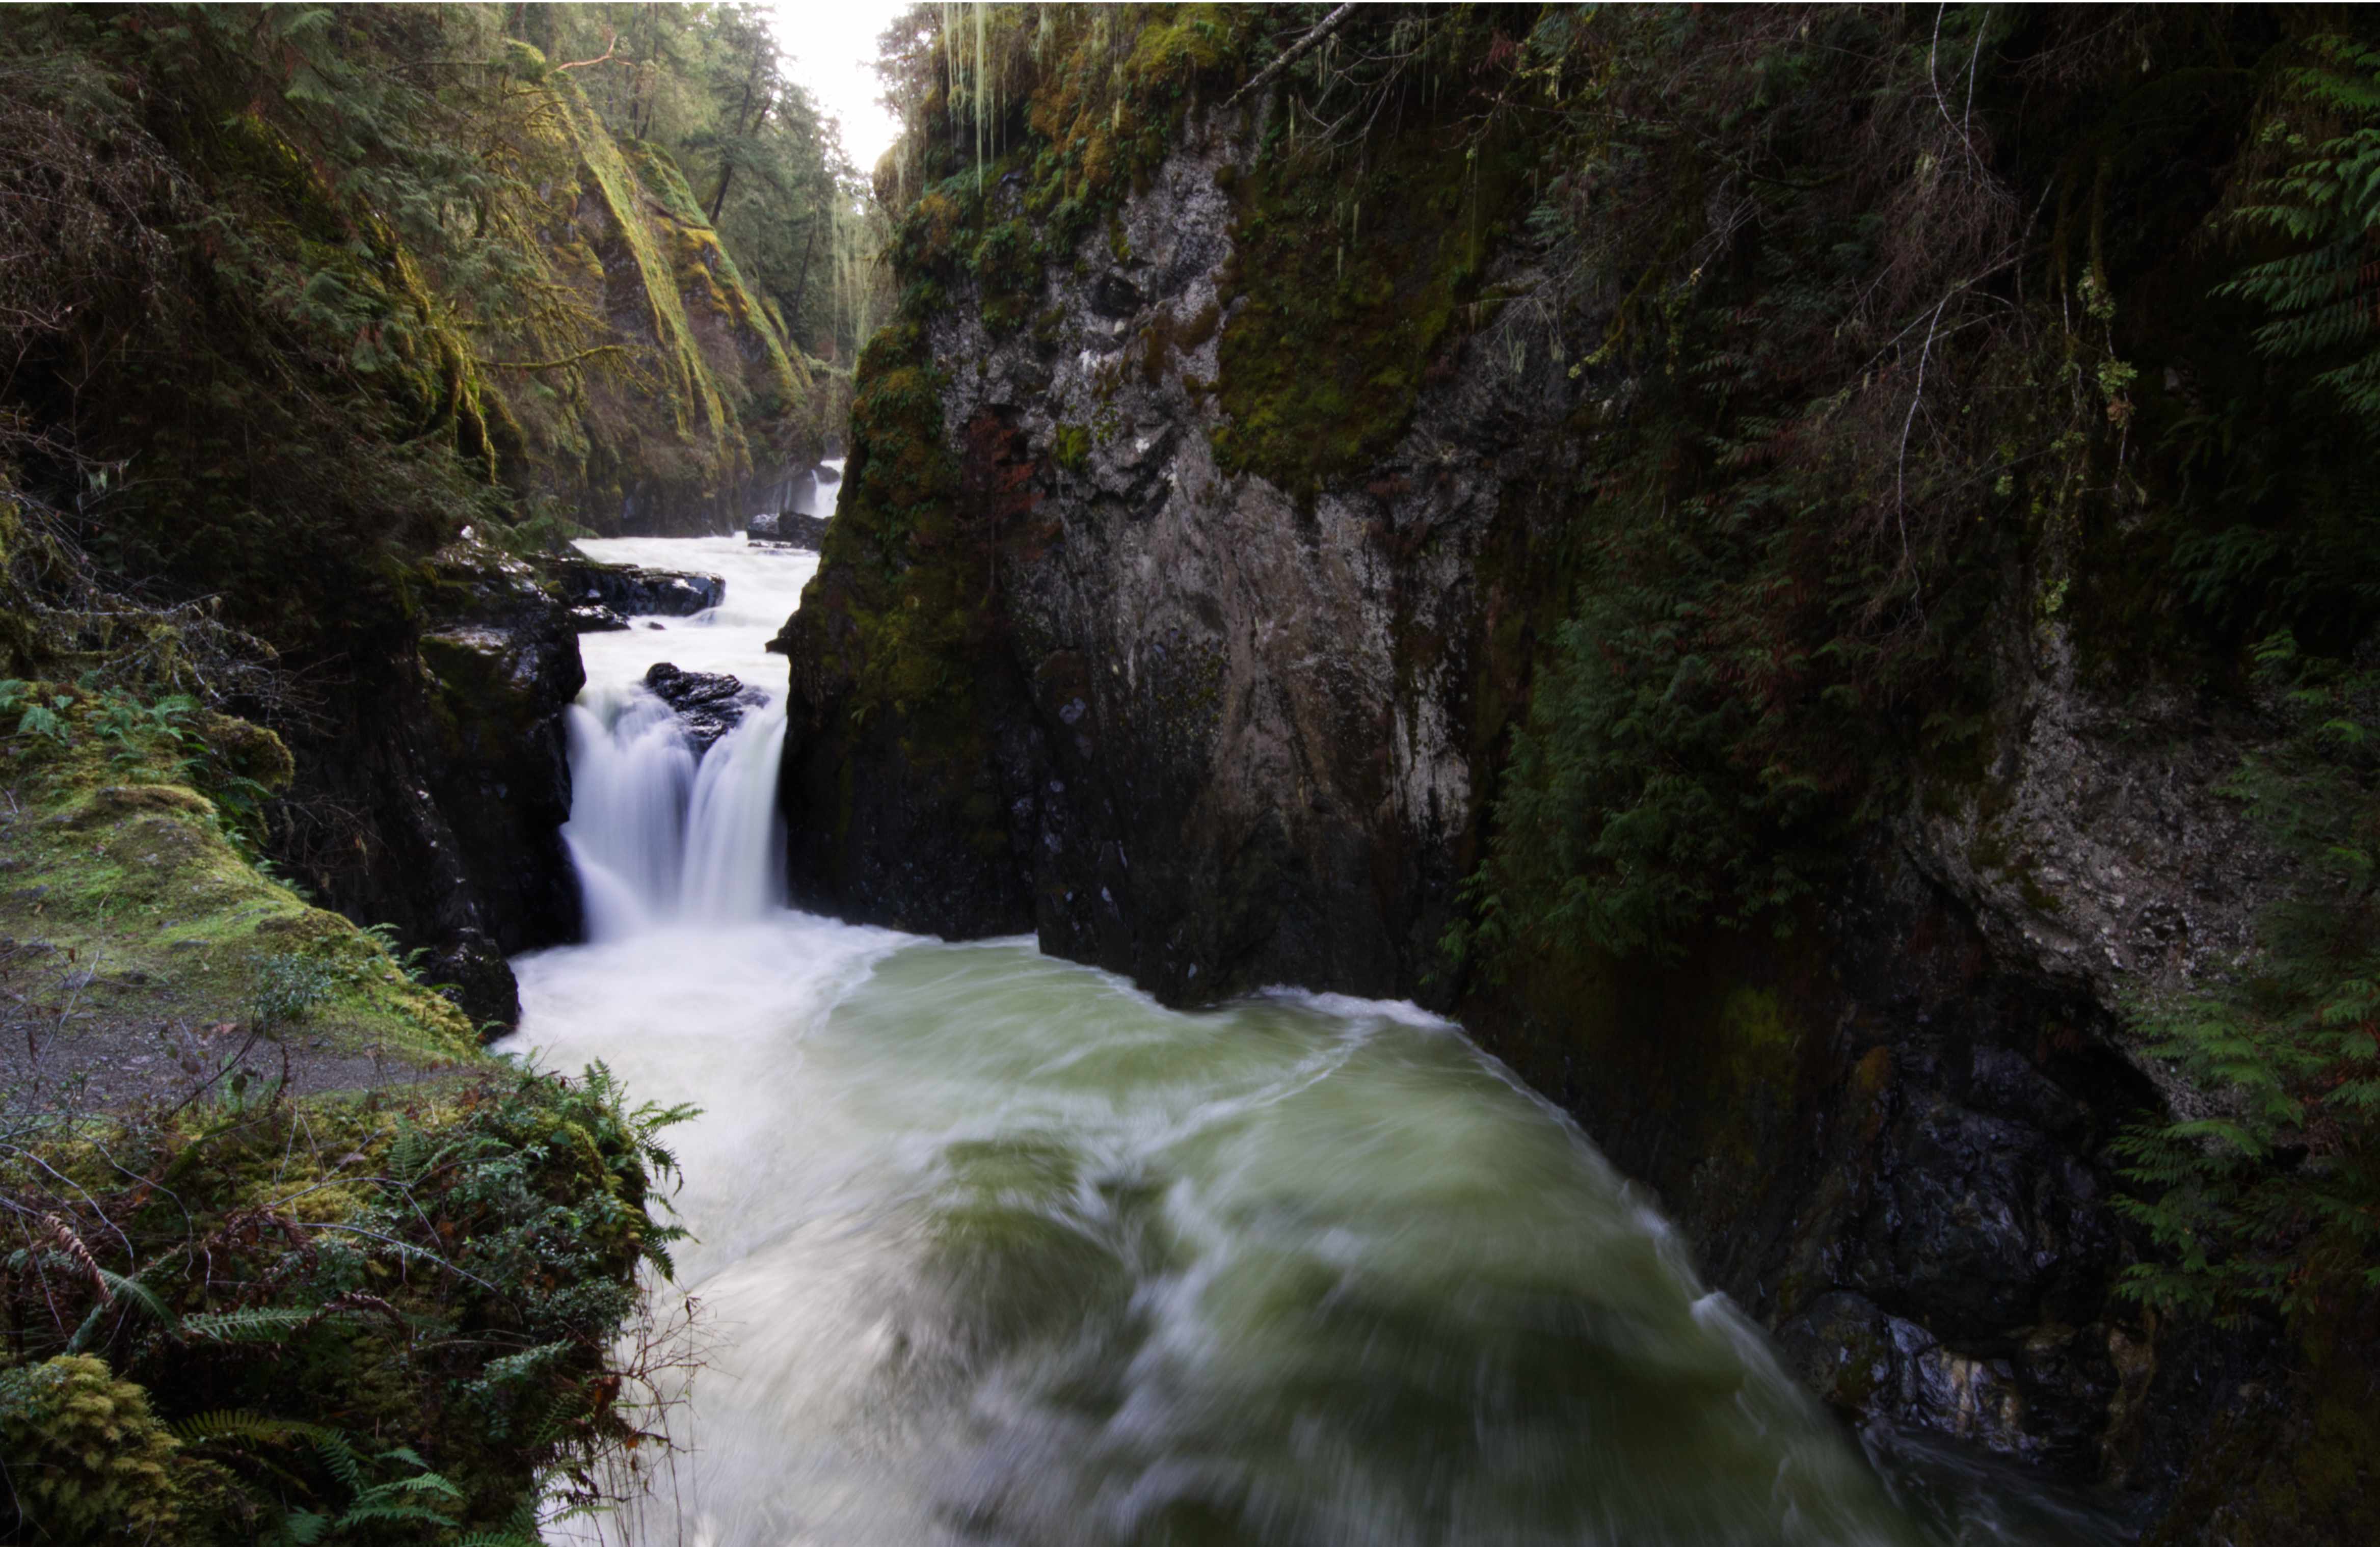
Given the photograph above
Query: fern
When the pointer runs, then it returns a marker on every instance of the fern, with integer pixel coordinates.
(339, 1458)
(43, 721)
(257, 1324)
(120, 1288)
(2274, 1200)
(240, 1423)
(2327, 204)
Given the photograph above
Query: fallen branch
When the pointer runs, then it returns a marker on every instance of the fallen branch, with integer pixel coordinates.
(555, 363)
(1296, 52)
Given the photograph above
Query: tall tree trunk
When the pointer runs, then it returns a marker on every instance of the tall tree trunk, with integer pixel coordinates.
(802, 279)
(727, 153)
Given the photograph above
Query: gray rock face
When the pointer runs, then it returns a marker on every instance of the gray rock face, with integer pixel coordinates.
(626, 591)
(709, 704)
(1240, 752)
(1229, 737)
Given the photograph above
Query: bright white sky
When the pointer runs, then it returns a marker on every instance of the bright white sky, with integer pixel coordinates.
(831, 49)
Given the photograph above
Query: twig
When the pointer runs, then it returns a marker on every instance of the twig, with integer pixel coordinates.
(1296, 52)
(1900, 471)
(610, 46)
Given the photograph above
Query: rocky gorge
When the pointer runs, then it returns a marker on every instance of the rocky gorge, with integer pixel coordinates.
(1790, 593)
(1175, 618)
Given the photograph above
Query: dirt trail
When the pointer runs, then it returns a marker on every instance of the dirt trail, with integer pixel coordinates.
(84, 1036)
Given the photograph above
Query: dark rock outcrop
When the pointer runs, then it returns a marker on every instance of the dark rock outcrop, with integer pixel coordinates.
(434, 782)
(790, 528)
(627, 590)
(709, 704)
(1215, 732)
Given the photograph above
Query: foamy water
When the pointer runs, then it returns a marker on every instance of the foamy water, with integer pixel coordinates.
(992, 1248)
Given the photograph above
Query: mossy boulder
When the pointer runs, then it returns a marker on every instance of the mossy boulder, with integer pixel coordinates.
(86, 1461)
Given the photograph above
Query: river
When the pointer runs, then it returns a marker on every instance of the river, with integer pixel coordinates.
(992, 1248)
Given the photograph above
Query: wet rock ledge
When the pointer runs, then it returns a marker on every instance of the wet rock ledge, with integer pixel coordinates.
(605, 596)
(709, 704)
(789, 528)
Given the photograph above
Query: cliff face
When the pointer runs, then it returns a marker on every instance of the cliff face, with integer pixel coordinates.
(432, 783)
(692, 412)
(1179, 609)
(1211, 732)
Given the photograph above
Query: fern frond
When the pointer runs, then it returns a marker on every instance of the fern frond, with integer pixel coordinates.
(256, 1324)
(363, 1513)
(240, 1423)
(340, 1459)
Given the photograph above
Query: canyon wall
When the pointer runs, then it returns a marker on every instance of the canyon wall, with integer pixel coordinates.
(1190, 581)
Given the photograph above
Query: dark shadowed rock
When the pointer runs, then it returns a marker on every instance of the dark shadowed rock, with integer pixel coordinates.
(433, 787)
(632, 592)
(789, 528)
(709, 704)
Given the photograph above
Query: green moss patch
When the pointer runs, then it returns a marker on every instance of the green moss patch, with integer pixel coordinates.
(1353, 278)
(118, 876)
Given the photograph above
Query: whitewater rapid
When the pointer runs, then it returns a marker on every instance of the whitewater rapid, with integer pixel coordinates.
(992, 1248)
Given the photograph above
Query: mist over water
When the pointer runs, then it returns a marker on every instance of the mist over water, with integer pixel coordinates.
(992, 1248)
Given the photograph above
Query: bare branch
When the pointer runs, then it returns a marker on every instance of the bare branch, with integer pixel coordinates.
(1296, 52)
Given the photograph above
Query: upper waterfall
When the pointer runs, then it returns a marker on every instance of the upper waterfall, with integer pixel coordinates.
(660, 831)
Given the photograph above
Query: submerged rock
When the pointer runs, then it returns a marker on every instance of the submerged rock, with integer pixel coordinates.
(709, 704)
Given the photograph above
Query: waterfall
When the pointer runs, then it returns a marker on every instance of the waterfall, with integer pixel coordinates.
(736, 839)
(1039, 1259)
(660, 834)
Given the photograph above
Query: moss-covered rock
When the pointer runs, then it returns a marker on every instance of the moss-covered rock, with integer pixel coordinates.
(694, 412)
(111, 858)
(1382, 260)
(86, 1461)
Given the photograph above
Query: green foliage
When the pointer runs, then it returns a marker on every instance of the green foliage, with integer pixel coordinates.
(86, 1461)
(2271, 1197)
(2325, 205)
(1790, 509)
(451, 1284)
(282, 297)
(703, 85)
(288, 987)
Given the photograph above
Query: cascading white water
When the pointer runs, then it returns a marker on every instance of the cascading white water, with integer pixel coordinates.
(992, 1248)
(631, 771)
(659, 835)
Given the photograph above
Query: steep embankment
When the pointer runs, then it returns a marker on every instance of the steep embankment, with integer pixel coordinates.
(1545, 515)
(720, 416)
(317, 322)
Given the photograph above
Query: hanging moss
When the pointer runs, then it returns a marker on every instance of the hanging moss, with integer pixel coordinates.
(706, 391)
